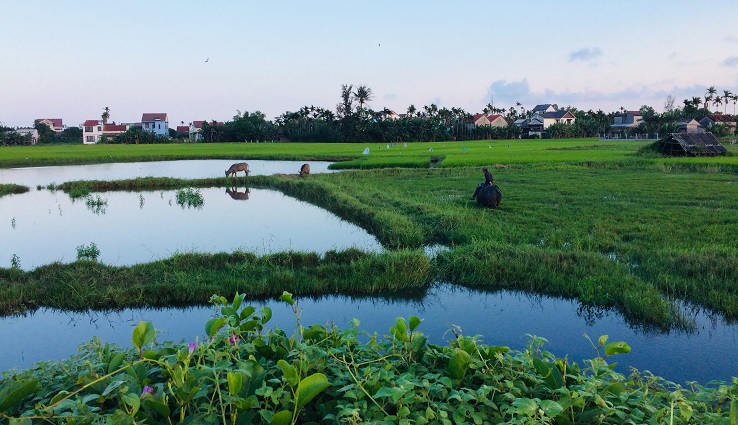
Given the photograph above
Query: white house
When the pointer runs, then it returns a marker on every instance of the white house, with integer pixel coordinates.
(158, 123)
(93, 130)
(32, 131)
(55, 124)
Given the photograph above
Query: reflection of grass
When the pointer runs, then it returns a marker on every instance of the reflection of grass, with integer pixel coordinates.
(189, 198)
(95, 204)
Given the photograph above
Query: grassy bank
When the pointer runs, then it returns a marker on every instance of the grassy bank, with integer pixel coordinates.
(10, 189)
(583, 219)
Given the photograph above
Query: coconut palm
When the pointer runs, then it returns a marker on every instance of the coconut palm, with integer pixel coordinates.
(709, 95)
(105, 115)
(411, 110)
(727, 95)
(363, 94)
(734, 98)
(697, 101)
(717, 102)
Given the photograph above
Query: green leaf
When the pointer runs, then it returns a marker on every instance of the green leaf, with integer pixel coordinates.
(290, 373)
(229, 312)
(614, 348)
(247, 312)
(311, 387)
(283, 417)
(151, 404)
(603, 340)
(266, 315)
(287, 297)
(237, 300)
(526, 406)
(143, 334)
(414, 322)
(13, 392)
(399, 331)
(214, 325)
(551, 408)
(111, 387)
(235, 382)
(20, 421)
(133, 401)
(115, 362)
(458, 364)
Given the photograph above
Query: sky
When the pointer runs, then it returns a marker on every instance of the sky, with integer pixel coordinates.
(213, 59)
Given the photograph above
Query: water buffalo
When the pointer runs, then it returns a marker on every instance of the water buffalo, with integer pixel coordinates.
(305, 169)
(490, 196)
(235, 168)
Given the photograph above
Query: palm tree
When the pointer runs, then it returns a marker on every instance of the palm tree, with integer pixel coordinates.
(696, 101)
(709, 95)
(727, 95)
(363, 94)
(411, 110)
(717, 102)
(734, 98)
(105, 115)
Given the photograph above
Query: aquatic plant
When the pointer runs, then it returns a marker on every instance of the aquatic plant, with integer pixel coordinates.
(189, 198)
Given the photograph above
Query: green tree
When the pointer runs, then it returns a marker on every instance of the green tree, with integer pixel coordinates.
(105, 115)
(727, 95)
(363, 94)
(45, 134)
(710, 95)
(70, 135)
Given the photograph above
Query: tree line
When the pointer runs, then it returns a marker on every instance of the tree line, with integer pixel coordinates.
(354, 121)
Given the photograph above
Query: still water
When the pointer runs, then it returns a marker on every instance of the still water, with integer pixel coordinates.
(500, 318)
(40, 227)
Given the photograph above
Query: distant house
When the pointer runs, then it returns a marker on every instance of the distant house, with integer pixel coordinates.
(690, 126)
(183, 131)
(692, 144)
(544, 108)
(32, 131)
(388, 114)
(196, 129)
(93, 130)
(157, 123)
(624, 122)
(538, 123)
(714, 119)
(55, 124)
(483, 120)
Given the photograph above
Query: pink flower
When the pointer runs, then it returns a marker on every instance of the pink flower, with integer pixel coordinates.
(192, 347)
(233, 339)
(147, 391)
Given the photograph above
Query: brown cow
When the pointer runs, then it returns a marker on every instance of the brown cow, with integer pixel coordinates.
(305, 169)
(235, 168)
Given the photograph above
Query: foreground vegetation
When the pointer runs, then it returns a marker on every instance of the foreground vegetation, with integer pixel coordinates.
(243, 374)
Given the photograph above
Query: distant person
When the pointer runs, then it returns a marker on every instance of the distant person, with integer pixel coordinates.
(488, 181)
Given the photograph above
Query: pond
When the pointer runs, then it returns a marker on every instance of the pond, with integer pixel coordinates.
(501, 318)
(41, 226)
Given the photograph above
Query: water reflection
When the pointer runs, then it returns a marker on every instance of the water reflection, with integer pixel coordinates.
(140, 227)
(186, 169)
(499, 318)
(239, 196)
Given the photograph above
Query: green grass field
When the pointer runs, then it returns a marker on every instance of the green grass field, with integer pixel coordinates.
(584, 219)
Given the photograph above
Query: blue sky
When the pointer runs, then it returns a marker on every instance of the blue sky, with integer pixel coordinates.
(70, 59)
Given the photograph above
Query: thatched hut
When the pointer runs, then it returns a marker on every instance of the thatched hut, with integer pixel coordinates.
(692, 144)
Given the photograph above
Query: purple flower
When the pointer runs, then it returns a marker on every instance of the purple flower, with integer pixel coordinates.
(233, 339)
(147, 391)
(192, 347)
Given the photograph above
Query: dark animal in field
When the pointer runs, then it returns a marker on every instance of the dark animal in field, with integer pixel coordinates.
(490, 196)
(235, 168)
(305, 169)
(235, 194)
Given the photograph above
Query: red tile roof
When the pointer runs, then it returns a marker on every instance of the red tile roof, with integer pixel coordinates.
(91, 123)
(183, 129)
(114, 128)
(56, 122)
(158, 116)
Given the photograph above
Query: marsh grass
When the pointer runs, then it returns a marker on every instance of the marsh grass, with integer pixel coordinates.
(12, 189)
(593, 221)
